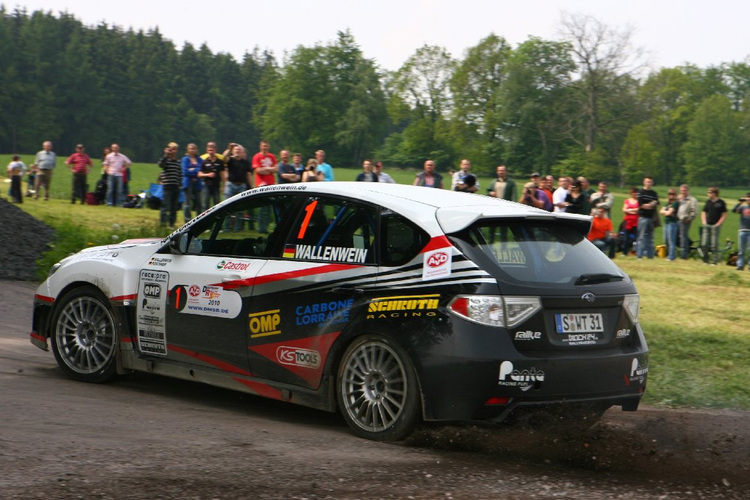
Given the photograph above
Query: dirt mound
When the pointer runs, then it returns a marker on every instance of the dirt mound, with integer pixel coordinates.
(23, 240)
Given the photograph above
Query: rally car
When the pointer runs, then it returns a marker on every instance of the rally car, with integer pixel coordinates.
(389, 303)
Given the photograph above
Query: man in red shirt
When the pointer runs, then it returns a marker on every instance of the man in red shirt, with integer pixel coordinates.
(265, 167)
(601, 234)
(79, 164)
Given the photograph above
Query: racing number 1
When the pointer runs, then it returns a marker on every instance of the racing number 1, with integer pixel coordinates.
(310, 208)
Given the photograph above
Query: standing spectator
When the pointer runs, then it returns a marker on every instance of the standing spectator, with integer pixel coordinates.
(669, 211)
(325, 168)
(287, 171)
(367, 175)
(686, 214)
(45, 160)
(382, 176)
(171, 181)
(80, 164)
(562, 191)
(535, 197)
(601, 234)
(743, 208)
(428, 177)
(311, 174)
(463, 180)
(576, 202)
(192, 185)
(299, 167)
(502, 187)
(31, 179)
(16, 169)
(630, 221)
(239, 177)
(586, 191)
(115, 164)
(712, 217)
(603, 199)
(212, 175)
(211, 145)
(547, 183)
(264, 166)
(648, 200)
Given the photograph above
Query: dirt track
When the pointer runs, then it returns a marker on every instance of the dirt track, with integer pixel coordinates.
(149, 437)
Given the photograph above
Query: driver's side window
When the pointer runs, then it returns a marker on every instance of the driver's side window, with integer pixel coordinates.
(247, 228)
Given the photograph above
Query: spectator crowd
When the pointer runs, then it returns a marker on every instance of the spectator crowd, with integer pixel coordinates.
(196, 182)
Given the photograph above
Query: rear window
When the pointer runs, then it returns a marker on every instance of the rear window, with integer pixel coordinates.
(543, 251)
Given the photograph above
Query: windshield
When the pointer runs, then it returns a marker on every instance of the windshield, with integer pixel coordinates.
(541, 251)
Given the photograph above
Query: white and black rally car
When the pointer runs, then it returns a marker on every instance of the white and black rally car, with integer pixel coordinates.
(390, 303)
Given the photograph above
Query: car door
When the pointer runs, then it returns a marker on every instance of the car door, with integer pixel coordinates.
(209, 286)
(304, 296)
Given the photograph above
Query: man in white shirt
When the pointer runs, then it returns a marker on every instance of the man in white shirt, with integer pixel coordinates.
(562, 191)
(382, 176)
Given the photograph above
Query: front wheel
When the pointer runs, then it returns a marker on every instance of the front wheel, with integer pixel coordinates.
(84, 336)
(377, 389)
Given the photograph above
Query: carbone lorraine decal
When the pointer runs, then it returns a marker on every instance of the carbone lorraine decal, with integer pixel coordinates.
(337, 254)
(437, 264)
(405, 306)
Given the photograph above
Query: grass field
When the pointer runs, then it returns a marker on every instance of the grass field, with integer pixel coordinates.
(695, 316)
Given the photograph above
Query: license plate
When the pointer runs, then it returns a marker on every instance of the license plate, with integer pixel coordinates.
(579, 323)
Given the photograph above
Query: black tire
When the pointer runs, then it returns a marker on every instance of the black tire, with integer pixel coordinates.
(377, 389)
(85, 336)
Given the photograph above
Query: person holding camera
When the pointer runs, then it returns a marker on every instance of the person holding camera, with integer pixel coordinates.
(743, 237)
(311, 173)
(535, 197)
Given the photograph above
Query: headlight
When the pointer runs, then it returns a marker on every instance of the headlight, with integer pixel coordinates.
(631, 304)
(493, 310)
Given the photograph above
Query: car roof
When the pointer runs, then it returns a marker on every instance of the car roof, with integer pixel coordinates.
(453, 210)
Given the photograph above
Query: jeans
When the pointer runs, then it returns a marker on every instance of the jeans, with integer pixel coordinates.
(607, 246)
(169, 203)
(192, 196)
(684, 232)
(670, 236)
(710, 242)
(645, 237)
(231, 189)
(211, 196)
(114, 190)
(744, 253)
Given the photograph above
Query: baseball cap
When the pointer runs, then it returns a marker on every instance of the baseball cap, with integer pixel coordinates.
(535, 174)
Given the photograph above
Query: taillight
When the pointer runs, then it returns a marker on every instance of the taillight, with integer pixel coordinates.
(494, 310)
(631, 304)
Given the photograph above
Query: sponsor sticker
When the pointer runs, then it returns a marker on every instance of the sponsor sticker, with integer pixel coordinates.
(437, 263)
(151, 312)
(581, 338)
(336, 254)
(295, 356)
(511, 256)
(528, 335)
(638, 372)
(403, 306)
(523, 379)
(232, 265)
(265, 323)
(623, 334)
(206, 300)
(159, 261)
(322, 313)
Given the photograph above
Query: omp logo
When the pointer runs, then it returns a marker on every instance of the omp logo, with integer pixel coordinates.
(264, 323)
(228, 265)
(194, 290)
(298, 357)
(152, 290)
(437, 259)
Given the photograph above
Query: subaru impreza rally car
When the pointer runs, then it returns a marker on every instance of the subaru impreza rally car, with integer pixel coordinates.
(389, 303)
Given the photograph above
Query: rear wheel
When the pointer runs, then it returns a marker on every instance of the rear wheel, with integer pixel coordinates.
(377, 389)
(84, 336)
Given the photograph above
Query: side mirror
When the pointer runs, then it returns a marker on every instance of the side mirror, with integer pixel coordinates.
(179, 243)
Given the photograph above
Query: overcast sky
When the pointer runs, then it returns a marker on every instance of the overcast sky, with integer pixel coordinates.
(672, 32)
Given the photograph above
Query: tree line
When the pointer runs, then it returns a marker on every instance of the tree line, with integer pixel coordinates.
(581, 105)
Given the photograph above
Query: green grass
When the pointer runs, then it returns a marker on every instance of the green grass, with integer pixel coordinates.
(695, 316)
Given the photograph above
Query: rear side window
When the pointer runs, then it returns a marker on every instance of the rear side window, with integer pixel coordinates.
(402, 240)
(536, 251)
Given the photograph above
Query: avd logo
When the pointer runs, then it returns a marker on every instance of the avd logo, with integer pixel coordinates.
(437, 259)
